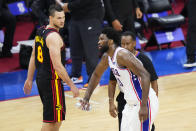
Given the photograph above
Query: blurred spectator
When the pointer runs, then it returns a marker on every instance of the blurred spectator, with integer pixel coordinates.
(9, 22)
(184, 10)
(119, 14)
(191, 35)
(40, 10)
(84, 30)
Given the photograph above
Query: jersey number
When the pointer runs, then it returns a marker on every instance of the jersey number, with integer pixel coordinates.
(39, 49)
(39, 54)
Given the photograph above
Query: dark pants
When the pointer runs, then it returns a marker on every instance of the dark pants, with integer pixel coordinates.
(128, 24)
(121, 104)
(191, 34)
(9, 22)
(83, 38)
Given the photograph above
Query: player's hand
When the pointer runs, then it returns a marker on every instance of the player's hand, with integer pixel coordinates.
(75, 91)
(138, 13)
(117, 25)
(65, 7)
(27, 87)
(113, 110)
(85, 105)
(143, 113)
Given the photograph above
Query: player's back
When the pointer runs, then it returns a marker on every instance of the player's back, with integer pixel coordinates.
(44, 66)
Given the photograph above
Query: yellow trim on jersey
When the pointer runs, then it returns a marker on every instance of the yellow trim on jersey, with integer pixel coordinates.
(57, 98)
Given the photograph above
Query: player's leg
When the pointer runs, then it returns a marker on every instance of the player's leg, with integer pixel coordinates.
(51, 126)
(153, 109)
(130, 118)
(154, 103)
(53, 104)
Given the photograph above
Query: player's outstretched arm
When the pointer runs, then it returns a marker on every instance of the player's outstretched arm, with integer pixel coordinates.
(127, 59)
(54, 44)
(31, 69)
(94, 80)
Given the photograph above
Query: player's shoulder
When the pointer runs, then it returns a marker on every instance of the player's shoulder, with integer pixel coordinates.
(53, 33)
(124, 53)
(104, 56)
(52, 36)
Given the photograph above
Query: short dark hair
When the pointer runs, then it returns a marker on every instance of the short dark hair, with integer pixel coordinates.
(53, 8)
(112, 34)
(129, 33)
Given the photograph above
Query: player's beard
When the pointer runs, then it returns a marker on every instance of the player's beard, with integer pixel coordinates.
(104, 49)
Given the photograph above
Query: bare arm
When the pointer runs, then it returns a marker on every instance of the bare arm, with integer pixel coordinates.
(111, 92)
(154, 85)
(54, 44)
(127, 59)
(31, 70)
(96, 76)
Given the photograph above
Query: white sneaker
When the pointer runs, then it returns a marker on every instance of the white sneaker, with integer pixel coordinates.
(77, 79)
(190, 64)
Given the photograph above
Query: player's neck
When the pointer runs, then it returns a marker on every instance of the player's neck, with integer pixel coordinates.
(52, 26)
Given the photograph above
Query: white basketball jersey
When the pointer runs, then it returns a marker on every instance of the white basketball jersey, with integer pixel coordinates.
(128, 83)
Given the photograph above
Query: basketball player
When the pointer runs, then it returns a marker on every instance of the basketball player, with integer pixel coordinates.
(128, 41)
(133, 81)
(48, 58)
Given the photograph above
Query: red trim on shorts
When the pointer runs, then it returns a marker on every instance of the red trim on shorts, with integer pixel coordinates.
(53, 94)
(48, 121)
(60, 97)
(52, 69)
(54, 91)
(56, 113)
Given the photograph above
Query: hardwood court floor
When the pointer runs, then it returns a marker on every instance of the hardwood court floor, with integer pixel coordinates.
(177, 112)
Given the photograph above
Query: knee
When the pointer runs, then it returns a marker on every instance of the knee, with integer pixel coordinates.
(51, 126)
(55, 125)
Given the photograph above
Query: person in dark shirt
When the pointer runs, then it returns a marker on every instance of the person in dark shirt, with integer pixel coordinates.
(84, 29)
(120, 14)
(9, 22)
(128, 41)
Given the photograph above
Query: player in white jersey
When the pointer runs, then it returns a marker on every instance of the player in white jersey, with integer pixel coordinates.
(133, 80)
